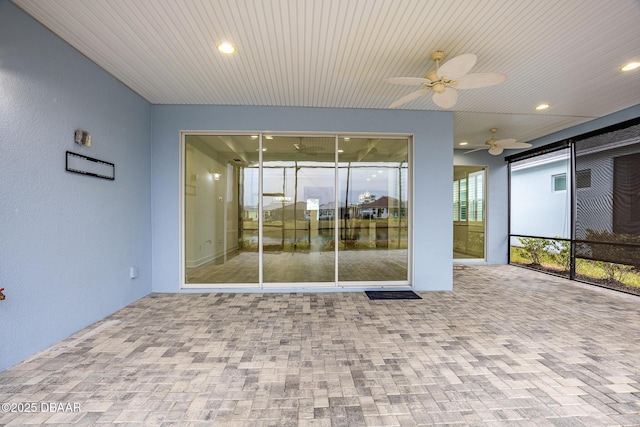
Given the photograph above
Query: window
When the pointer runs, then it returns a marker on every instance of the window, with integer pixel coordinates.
(476, 196)
(456, 200)
(463, 200)
(559, 182)
(468, 197)
(460, 200)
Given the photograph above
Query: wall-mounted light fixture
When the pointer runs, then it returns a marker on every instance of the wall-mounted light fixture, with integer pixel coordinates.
(213, 175)
(82, 137)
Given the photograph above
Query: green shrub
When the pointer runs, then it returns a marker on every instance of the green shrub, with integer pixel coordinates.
(560, 253)
(615, 272)
(534, 248)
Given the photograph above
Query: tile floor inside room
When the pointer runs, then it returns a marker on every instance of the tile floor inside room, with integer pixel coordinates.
(305, 266)
(508, 347)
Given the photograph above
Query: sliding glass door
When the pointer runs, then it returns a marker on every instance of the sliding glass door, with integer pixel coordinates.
(295, 211)
(373, 226)
(298, 192)
(220, 220)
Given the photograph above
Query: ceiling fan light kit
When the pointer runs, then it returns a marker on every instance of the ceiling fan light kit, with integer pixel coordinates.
(496, 151)
(444, 81)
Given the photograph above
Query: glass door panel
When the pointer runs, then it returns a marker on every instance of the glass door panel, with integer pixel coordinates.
(221, 209)
(298, 214)
(469, 189)
(373, 224)
(278, 211)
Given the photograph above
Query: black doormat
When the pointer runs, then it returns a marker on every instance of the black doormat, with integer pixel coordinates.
(392, 295)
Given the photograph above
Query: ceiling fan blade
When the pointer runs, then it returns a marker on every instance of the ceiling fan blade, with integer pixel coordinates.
(514, 144)
(446, 99)
(504, 142)
(476, 80)
(407, 98)
(407, 81)
(458, 66)
(496, 151)
(474, 150)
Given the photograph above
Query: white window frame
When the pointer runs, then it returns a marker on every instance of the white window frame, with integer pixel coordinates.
(554, 180)
(261, 285)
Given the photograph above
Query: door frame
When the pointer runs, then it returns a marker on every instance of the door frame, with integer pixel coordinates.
(307, 286)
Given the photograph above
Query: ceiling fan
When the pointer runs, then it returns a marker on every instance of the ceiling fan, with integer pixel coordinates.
(311, 150)
(497, 146)
(444, 81)
(367, 154)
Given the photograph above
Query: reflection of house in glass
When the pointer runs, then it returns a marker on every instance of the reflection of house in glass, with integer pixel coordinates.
(277, 211)
(328, 210)
(382, 208)
(250, 213)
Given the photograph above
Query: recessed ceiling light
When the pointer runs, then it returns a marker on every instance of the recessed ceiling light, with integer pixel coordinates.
(542, 107)
(254, 137)
(225, 47)
(464, 143)
(340, 151)
(346, 138)
(630, 66)
(268, 137)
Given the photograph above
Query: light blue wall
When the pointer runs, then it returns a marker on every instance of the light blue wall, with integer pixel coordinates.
(66, 241)
(433, 135)
(497, 199)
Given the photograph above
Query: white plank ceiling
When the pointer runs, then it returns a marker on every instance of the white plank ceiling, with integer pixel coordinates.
(336, 53)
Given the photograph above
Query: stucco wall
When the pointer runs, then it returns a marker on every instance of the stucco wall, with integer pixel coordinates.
(67, 241)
